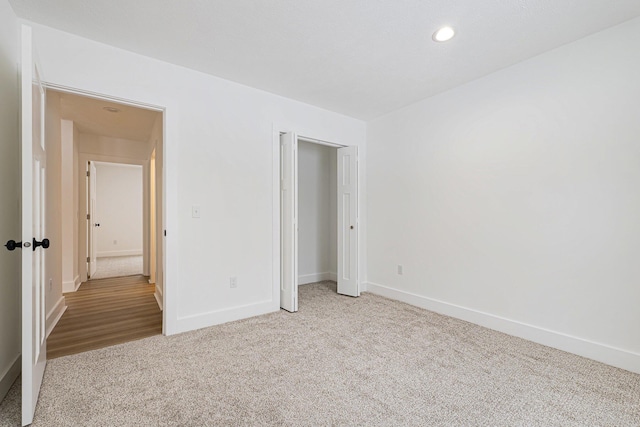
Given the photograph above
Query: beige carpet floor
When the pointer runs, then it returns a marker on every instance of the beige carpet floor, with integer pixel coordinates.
(117, 266)
(338, 361)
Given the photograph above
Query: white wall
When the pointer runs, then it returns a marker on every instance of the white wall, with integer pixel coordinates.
(113, 147)
(69, 231)
(69, 210)
(513, 201)
(78, 217)
(317, 236)
(10, 206)
(118, 209)
(333, 215)
(54, 300)
(218, 155)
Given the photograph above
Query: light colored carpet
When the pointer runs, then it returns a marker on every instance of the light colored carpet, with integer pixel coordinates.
(118, 266)
(338, 361)
(10, 406)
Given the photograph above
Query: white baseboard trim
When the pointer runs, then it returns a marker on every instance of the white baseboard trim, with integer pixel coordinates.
(158, 295)
(592, 350)
(316, 277)
(203, 320)
(55, 314)
(9, 376)
(68, 286)
(129, 252)
(71, 285)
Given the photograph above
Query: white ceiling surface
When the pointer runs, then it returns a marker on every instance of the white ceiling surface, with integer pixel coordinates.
(89, 116)
(362, 58)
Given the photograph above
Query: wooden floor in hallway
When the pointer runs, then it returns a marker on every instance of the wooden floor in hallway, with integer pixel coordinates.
(106, 312)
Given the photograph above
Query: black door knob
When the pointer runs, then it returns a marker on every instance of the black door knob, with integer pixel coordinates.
(44, 243)
(12, 245)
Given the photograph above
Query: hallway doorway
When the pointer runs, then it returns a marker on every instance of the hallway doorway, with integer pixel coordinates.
(115, 224)
(111, 190)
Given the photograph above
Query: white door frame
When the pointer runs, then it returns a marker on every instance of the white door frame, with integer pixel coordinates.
(83, 159)
(83, 250)
(276, 277)
(170, 263)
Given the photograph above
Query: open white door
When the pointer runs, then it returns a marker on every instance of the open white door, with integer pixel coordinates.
(34, 344)
(289, 222)
(348, 221)
(92, 239)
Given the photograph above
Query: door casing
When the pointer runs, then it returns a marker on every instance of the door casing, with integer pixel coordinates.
(169, 264)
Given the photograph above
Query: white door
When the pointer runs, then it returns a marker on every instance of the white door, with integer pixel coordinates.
(289, 222)
(34, 344)
(91, 221)
(348, 221)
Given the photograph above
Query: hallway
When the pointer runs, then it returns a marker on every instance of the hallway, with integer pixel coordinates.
(106, 312)
(118, 266)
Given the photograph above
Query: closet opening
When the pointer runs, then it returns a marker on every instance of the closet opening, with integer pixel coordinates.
(318, 211)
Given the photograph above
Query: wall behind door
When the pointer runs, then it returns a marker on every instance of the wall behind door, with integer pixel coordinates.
(317, 237)
(119, 209)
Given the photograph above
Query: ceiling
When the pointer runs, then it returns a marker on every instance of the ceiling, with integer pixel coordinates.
(89, 116)
(362, 58)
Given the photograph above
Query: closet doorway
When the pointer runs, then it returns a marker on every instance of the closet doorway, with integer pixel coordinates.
(318, 211)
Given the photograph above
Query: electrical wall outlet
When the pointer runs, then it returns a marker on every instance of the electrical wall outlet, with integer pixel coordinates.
(233, 282)
(400, 269)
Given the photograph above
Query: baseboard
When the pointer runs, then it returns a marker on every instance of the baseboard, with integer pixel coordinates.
(129, 252)
(158, 295)
(55, 314)
(9, 376)
(316, 277)
(203, 320)
(71, 285)
(68, 286)
(597, 351)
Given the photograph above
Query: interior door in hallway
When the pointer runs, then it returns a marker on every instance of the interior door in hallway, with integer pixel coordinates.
(92, 243)
(33, 159)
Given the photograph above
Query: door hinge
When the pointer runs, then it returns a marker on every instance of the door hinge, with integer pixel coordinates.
(88, 173)
(165, 233)
(88, 259)
(88, 216)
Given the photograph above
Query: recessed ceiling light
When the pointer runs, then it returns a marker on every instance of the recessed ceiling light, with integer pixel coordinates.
(111, 109)
(443, 34)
